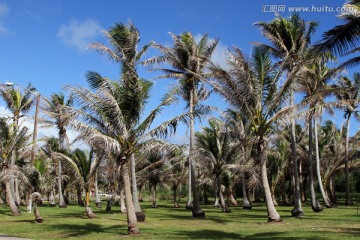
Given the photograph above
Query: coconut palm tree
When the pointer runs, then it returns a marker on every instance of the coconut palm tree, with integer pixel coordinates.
(252, 88)
(343, 39)
(188, 60)
(56, 115)
(124, 40)
(19, 103)
(12, 140)
(290, 38)
(313, 82)
(217, 148)
(110, 115)
(348, 89)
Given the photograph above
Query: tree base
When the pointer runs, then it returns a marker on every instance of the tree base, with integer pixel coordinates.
(277, 220)
(297, 213)
(188, 207)
(39, 220)
(98, 204)
(63, 206)
(349, 203)
(317, 208)
(133, 230)
(247, 207)
(140, 216)
(52, 204)
(199, 214)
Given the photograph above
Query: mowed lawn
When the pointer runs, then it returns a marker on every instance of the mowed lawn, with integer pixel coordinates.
(166, 222)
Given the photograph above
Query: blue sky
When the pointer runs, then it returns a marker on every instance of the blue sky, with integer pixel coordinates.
(44, 42)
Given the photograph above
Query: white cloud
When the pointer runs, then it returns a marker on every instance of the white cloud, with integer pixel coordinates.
(219, 55)
(4, 9)
(3, 29)
(79, 33)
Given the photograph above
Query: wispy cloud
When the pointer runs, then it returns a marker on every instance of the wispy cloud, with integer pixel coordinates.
(79, 33)
(4, 9)
(3, 29)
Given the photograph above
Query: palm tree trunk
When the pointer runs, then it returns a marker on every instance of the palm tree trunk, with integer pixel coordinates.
(246, 202)
(273, 215)
(140, 215)
(62, 203)
(88, 210)
(297, 211)
(79, 195)
(327, 202)
(216, 202)
(316, 207)
(174, 188)
(10, 199)
(122, 199)
(52, 199)
(97, 197)
(205, 195)
(189, 196)
(232, 198)
(35, 197)
(130, 211)
(348, 200)
(154, 197)
(16, 190)
(196, 210)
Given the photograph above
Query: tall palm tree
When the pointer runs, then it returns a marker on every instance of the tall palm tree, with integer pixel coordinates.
(289, 41)
(348, 89)
(188, 60)
(251, 87)
(313, 82)
(57, 115)
(124, 40)
(110, 115)
(19, 103)
(344, 39)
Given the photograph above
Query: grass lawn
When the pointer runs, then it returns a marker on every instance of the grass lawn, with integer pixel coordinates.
(166, 222)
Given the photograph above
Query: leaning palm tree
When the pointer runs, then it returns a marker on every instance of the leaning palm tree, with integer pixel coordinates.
(188, 60)
(56, 115)
(252, 88)
(290, 39)
(124, 40)
(344, 39)
(348, 89)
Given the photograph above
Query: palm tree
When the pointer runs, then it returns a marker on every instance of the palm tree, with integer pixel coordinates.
(313, 82)
(57, 115)
(348, 89)
(111, 116)
(19, 104)
(11, 141)
(251, 87)
(290, 39)
(123, 41)
(343, 39)
(188, 60)
(217, 148)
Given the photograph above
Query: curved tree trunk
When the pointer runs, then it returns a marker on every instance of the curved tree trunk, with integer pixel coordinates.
(327, 202)
(140, 215)
(316, 207)
(130, 211)
(273, 215)
(35, 197)
(348, 200)
(232, 198)
(224, 204)
(246, 201)
(52, 199)
(10, 199)
(88, 210)
(297, 211)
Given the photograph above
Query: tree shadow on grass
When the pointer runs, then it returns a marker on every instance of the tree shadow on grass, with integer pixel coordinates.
(72, 230)
(216, 234)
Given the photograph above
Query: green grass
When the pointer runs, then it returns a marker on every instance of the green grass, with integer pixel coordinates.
(169, 223)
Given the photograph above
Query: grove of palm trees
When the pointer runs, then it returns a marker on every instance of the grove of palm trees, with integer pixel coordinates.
(273, 162)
